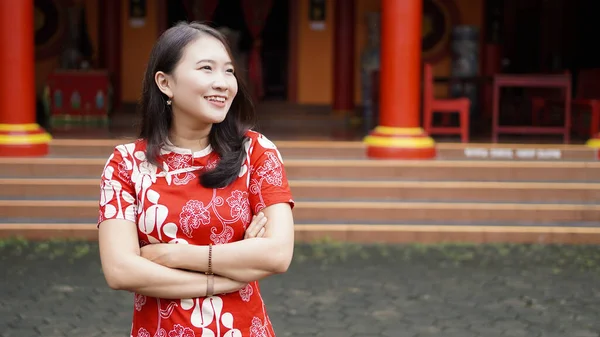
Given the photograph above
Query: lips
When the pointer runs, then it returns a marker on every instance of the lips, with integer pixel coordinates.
(216, 99)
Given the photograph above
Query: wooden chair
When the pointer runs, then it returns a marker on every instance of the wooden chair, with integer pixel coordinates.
(587, 99)
(432, 105)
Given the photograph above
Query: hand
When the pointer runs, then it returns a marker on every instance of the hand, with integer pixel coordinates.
(256, 229)
(160, 253)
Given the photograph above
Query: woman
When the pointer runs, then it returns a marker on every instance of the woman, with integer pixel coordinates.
(205, 198)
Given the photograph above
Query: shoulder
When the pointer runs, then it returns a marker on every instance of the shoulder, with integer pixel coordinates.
(133, 151)
(262, 151)
(259, 142)
(132, 147)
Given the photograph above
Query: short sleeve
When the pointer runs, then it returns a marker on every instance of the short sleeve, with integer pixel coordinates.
(117, 191)
(268, 180)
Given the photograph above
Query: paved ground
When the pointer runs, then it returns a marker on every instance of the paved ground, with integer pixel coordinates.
(57, 289)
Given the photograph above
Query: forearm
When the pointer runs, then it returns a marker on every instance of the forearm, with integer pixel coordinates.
(245, 261)
(136, 274)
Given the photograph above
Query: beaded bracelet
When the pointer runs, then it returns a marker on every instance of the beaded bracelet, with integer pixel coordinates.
(210, 280)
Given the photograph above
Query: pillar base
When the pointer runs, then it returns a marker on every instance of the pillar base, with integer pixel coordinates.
(23, 140)
(594, 142)
(399, 143)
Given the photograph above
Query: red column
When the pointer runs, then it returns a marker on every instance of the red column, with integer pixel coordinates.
(19, 133)
(399, 135)
(343, 59)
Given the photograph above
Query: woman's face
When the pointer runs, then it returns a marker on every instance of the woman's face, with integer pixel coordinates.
(202, 85)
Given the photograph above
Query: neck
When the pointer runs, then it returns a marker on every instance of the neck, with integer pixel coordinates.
(189, 136)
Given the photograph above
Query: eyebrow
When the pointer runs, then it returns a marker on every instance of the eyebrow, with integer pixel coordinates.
(212, 62)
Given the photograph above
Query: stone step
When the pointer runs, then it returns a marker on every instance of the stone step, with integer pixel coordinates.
(351, 211)
(466, 191)
(102, 148)
(440, 170)
(360, 233)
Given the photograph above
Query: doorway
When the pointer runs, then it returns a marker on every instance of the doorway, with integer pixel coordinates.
(229, 18)
(275, 53)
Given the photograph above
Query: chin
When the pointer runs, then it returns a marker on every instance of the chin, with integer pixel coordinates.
(213, 116)
(218, 120)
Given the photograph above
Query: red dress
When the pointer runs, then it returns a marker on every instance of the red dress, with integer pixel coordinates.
(168, 204)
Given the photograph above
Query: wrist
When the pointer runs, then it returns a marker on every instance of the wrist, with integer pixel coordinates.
(220, 285)
(225, 285)
(210, 288)
(177, 256)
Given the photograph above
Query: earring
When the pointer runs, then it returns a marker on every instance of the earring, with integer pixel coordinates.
(169, 101)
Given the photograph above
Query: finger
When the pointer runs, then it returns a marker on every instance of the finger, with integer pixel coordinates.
(259, 216)
(255, 222)
(250, 226)
(253, 232)
(261, 233)
(261, 227)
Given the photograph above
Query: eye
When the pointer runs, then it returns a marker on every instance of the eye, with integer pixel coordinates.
(230, 70)
(206, 68)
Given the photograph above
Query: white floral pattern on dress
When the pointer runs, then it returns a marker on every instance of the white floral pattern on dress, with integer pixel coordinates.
(166, 313)
(181, 161)
(113, 190)
(212, 163)
(143, 333)
(240, 206)
(246, 292)
(181, 331)
(207, 312)
(257, 329)
(123, 171)
(193, 214)
(223, 237)
(139, 301)
(271, 170)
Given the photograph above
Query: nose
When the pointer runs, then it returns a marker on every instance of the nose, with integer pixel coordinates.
(219, 82)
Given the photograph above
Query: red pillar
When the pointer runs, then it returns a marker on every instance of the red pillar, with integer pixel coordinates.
(19, 133)
(343, 59)
(399, 135)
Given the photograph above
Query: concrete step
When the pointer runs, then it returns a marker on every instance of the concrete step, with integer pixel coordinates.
(351, 211)
(472, 193)
(361, 233)
(348, 190)
(439, 170)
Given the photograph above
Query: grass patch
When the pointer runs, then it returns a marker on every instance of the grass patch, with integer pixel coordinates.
(559, 258)
(72, 250)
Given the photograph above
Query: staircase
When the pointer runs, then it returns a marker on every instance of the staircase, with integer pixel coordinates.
(472, 193)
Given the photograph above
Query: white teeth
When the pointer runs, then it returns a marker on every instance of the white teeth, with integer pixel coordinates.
(216, 99)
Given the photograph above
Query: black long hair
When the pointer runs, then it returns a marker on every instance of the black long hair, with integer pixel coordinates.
(226, 138)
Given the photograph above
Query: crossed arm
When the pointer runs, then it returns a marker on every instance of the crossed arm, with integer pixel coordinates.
(172, 270)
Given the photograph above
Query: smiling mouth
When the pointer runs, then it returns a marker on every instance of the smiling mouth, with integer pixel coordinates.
(216, 99)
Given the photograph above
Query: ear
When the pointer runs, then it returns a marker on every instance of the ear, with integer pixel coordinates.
(163, 81)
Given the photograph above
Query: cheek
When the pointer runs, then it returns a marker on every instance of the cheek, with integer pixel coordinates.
(195, 82)
(233, 87)
(201, 83)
